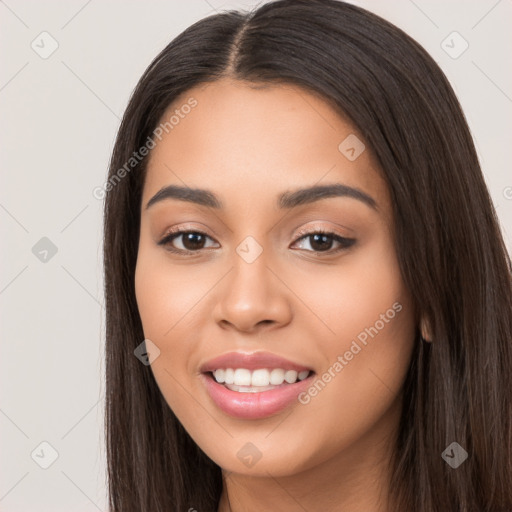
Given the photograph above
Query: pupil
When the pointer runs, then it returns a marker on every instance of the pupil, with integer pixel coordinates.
(321, 242)
(193, 241)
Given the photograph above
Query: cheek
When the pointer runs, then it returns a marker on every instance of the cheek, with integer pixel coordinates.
(167, 294)
(368, 321)
(366, 351)
(169, 303)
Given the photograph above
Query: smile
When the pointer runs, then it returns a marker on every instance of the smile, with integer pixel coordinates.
(254, 386)
(243, 380)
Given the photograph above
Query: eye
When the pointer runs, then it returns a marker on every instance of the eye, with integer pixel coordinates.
(321, 241)
(191, 241)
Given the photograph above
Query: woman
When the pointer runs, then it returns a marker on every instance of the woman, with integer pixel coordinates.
(301, 251)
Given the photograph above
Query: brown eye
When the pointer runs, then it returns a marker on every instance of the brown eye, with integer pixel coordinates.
(185, 241)
(320, 242)
(193, 241)
(323, 241)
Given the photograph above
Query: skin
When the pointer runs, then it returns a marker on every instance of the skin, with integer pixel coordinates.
(247, 145)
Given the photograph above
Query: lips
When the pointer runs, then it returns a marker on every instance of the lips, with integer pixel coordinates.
(255, 399)
(252, 361)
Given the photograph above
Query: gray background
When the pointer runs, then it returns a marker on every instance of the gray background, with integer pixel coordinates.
(59, 117)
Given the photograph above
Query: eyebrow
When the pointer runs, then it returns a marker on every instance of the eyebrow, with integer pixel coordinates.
(287, 200)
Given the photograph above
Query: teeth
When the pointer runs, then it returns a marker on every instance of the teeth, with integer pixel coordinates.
(220, 375)
(290, 376)
(242, 377)
(303, 375)
(261, 378)
(249, 389)
(229, 376)
(276, 377)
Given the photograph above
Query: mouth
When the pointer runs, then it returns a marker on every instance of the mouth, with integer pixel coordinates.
(254, 386)
(243, 380)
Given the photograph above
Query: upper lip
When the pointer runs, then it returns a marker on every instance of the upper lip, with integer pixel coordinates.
(251, 361)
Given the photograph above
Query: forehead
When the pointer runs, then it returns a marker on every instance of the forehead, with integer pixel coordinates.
(258, 139)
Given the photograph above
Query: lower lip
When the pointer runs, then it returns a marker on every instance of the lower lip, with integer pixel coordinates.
(253, 406)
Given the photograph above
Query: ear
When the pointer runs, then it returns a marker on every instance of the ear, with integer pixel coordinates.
(426, 331)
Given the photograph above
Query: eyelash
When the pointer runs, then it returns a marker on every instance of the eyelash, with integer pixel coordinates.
(344, 242)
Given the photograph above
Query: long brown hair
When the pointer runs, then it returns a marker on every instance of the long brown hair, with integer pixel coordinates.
(450, 249)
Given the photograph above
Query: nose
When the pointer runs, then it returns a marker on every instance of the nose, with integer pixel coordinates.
(252, 298)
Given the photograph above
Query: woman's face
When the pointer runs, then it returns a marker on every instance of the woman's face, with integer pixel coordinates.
(254, 291)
